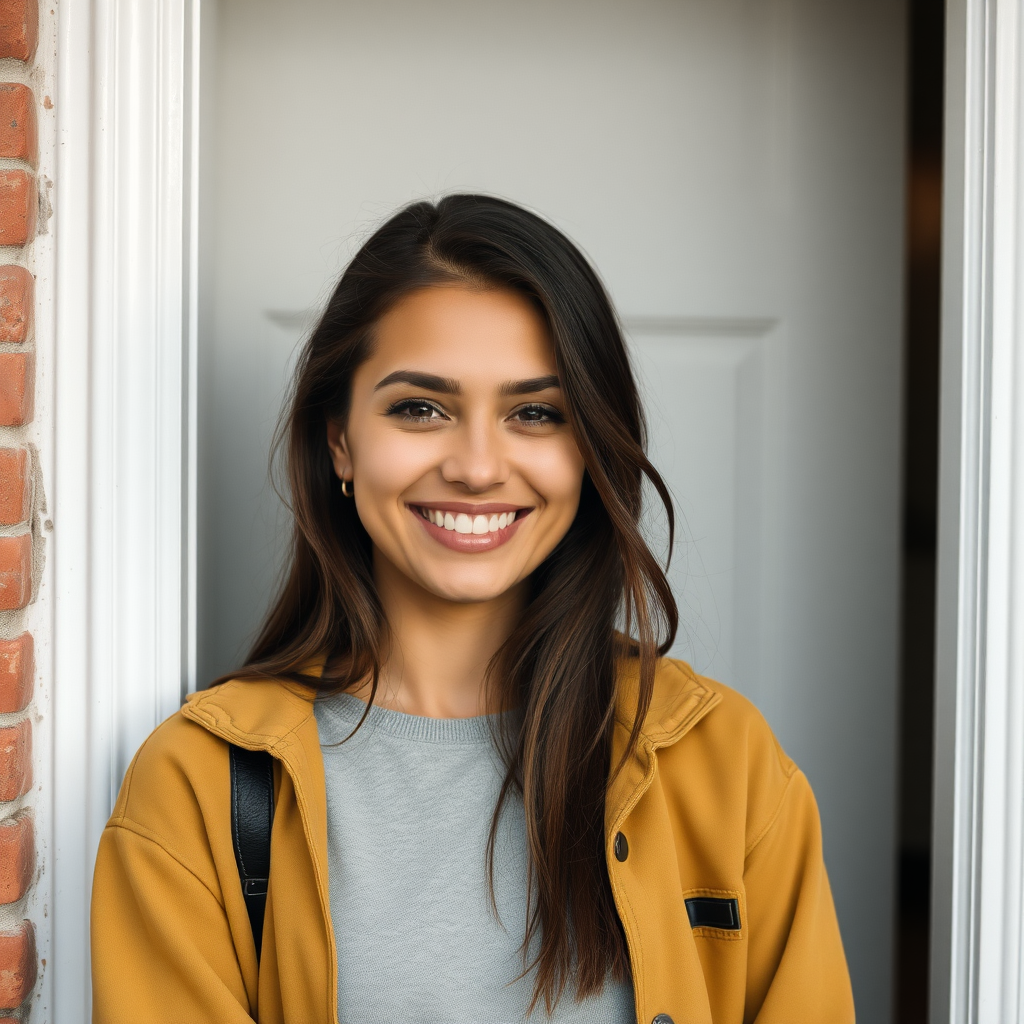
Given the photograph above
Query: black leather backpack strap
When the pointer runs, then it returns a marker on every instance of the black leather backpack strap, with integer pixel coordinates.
(252, 815)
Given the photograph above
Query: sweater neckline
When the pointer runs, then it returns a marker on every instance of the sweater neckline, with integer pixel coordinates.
(347, 710)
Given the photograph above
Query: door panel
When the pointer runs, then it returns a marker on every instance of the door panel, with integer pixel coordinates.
(734, 170)
(702, 384)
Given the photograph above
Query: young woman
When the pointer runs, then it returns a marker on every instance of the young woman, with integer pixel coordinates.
(494, 799)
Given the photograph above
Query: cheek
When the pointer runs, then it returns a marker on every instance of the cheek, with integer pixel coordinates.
(556, 473)
(392, 462)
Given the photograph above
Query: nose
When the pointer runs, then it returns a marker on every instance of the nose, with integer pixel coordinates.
(476, 458)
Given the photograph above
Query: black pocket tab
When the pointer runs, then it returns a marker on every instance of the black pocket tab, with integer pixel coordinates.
(713, 912)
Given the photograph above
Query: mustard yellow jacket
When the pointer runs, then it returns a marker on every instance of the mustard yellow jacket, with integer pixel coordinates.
(710, 806)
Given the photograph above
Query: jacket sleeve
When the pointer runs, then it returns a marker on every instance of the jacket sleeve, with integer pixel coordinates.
(797, 971)
(162, 949)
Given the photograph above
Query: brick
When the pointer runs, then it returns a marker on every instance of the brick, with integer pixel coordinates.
(17, 673)
(15, 760)
(17, 856)
(17, 291)
(15, 571)
(17, 388)
(18, 136)
(15, 486)
(17, 965)
(19, 203)
(19, 28)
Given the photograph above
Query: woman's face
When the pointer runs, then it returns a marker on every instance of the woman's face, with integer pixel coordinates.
(464, 471)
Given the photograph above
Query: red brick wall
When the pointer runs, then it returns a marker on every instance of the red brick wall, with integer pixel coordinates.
(19, 205)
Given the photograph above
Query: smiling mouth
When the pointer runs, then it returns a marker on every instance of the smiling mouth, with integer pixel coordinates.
(464, 523)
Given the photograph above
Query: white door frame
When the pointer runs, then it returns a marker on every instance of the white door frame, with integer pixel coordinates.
(123, 491)
(978, 853)
(126, 227)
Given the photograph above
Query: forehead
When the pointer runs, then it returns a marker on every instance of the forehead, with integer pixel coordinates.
(463, 332)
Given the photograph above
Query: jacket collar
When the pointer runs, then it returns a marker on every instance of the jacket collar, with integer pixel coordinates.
(269, 714)
(260, 714)
(273, 715)
(680, 699)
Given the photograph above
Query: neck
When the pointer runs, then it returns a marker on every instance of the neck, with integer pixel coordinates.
(439, 652)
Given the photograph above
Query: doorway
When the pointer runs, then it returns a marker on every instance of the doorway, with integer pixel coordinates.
(736, 173)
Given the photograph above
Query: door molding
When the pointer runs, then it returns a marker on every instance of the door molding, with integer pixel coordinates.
(978, 848)
(123, 494)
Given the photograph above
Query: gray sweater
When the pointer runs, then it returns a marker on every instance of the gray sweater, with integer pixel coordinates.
(409, 805)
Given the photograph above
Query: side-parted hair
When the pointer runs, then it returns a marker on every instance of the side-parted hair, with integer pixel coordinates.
(600, 596)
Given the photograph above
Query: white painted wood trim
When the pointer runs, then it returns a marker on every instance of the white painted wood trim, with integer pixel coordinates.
(978, 860)
(123, 494)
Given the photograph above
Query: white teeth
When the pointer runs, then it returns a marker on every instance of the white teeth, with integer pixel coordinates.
(463, 523)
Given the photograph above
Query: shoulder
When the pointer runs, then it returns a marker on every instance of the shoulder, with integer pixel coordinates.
(684, 702)
(727, 750)
(736, 730)
(180, 774)
(171, 779)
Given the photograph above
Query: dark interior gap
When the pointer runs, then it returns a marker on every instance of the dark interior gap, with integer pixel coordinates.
(920, 480)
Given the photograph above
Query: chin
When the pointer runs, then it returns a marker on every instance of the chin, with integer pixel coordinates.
(466, 591)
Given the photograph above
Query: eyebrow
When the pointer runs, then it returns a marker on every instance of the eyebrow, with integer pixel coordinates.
(450, 386)
(428, 381)
(529, 387)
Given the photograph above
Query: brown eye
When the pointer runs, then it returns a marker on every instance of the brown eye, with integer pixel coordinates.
(538, 414)
(416, 409)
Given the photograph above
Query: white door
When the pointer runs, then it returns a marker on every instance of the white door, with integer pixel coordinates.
(734, 170)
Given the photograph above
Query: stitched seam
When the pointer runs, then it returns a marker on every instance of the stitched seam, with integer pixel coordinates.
(771, 821)
(638, 791)
(142, 832)
(634, 799)
(642, 1000)
(235, 816)
(703, 931)
(269, 771)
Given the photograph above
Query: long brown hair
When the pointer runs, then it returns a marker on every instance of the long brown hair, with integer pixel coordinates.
(559, 665)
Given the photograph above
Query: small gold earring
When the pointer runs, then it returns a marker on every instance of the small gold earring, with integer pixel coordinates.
(345, 488)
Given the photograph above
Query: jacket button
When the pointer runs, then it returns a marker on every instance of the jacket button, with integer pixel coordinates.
(621, 853)
(662, 1018)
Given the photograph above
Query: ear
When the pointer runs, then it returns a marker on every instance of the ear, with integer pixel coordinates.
(338, 446)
